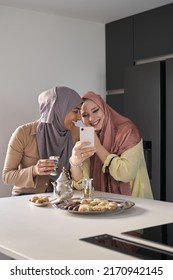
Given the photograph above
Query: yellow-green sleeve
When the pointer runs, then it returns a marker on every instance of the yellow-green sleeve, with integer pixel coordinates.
(124, 167)
(131, 167)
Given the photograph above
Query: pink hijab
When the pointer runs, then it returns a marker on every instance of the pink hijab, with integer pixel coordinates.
(117, 135)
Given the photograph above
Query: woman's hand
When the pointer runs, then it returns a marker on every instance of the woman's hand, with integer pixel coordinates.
(43, 167)
(97, 142)
(81, 152)
(102, 153)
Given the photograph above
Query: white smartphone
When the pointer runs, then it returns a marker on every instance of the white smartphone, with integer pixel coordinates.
(87, 134)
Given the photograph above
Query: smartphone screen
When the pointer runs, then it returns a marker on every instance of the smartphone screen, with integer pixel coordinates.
(87, 134)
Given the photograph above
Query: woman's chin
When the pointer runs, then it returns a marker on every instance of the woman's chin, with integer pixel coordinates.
(71, 126)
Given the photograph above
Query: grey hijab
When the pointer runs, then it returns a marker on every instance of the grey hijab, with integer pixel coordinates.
(52, 136)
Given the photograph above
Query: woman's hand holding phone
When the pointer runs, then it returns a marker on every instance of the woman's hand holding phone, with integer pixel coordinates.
(84, 148)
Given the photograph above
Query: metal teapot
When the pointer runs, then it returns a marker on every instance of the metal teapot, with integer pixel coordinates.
(63, 186)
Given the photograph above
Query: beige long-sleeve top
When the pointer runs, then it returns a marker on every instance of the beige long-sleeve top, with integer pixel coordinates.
(22, 155)
(129, 167)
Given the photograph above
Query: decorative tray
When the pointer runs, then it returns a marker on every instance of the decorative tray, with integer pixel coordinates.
(94, 206)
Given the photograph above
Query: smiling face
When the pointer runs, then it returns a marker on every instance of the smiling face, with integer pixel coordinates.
(72, 117)
(92, 115)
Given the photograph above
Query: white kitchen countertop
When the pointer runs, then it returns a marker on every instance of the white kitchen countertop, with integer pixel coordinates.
(47, 233)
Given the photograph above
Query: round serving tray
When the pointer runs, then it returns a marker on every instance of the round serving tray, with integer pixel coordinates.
(122, 205)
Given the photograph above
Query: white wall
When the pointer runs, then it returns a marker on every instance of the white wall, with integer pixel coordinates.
(39, 51)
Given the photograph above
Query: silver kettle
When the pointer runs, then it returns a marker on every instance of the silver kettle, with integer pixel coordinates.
(63, 186)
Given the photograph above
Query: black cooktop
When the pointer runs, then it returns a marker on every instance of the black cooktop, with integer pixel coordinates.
(162, 234)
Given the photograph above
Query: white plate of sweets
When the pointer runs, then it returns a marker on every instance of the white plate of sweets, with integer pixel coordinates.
(39, 200)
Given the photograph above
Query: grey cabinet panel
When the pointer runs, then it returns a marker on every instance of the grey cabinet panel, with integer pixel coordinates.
(141, 36)
(119, 51)
(153, 35)
(142, 104)
(169, 130)
(116, 101)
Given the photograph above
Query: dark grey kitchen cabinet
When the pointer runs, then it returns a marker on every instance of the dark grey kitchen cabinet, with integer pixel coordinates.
(142, 36)
(148, 101)
(142, 104)
(116, 101)
(153, 34)
(169, 129)
(119, 51)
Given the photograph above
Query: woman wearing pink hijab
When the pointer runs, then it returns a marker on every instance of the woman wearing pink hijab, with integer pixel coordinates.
(116, 163)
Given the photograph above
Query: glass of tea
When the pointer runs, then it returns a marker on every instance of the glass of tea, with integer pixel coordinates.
(88, 188)
(56, 163)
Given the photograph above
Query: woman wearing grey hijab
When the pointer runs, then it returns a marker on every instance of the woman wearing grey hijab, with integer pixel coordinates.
(53, 135)
(27, 165)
